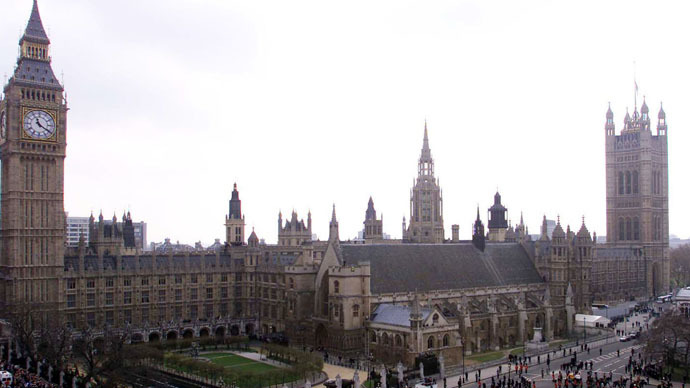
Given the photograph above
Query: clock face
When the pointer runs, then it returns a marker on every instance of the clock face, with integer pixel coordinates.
(39, 124)
(3, 125)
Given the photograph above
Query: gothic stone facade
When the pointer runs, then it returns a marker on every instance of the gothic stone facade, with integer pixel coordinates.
(353, 299)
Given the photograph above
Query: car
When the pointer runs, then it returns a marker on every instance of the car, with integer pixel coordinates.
(624, 338)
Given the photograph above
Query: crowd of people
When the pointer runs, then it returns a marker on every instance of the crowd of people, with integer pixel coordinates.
(22, 378)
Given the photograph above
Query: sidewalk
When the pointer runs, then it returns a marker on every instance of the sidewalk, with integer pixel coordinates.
(345, 373)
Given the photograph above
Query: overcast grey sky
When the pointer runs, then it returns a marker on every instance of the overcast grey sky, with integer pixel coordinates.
(305, 104)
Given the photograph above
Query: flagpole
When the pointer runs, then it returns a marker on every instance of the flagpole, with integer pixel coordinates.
(635, 81)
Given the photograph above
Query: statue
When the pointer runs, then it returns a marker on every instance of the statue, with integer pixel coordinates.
(338, 381)
(490, 307)
(421, 370)
(50, 373)
(383, 376)
(62, 379)
(355, 380)
(400, 370)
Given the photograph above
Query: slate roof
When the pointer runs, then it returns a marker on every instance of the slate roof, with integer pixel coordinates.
(34, 29)
(427, 267)
(92, 263)
(397, 315)
(36, 73)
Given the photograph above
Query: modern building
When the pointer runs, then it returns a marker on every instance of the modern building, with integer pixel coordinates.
(78, 226)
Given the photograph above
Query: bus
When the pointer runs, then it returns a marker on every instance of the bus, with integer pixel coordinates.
(665, 298)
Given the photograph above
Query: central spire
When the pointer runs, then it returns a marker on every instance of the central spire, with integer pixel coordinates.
(426, 151)
(426, 162)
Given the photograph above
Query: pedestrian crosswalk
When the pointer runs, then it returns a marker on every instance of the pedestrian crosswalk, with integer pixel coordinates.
(611, 355)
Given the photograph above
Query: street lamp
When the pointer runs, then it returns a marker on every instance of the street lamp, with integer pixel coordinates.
(462, 376)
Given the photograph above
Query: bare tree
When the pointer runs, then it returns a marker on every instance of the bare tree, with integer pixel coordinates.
(667, 340)
(680, 265)
(107, 356)
(25, 323)
(54, 341)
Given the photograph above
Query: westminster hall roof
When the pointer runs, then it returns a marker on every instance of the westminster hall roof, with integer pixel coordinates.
(427, 267)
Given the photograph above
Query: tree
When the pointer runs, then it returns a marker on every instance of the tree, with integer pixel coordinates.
(680, 265)
(668, 339)
(54, 339)
(24, 323)
(107, 357)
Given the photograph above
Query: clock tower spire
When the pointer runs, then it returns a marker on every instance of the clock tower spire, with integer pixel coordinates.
(32, 152)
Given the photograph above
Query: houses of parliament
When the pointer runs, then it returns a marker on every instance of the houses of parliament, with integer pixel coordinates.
(388, 298)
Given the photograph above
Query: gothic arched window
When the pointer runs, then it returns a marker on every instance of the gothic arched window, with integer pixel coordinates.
(636, 228)
(430, 343)
(355, 310)
(635, 187)
(621, 229)
(336, 286)
(628, 229)
(446, 340)
(435, 318)
(628, 185)
(398, 340)
(373, 337)
(384, 339)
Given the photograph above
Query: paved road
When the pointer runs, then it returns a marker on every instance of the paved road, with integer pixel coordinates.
(607, 356)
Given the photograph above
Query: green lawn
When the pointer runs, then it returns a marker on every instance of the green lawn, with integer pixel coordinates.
(555, 344)
(486, 357)
(229, 360)
(517, 351)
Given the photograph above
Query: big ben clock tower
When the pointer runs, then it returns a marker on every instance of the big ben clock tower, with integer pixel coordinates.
(32, 152)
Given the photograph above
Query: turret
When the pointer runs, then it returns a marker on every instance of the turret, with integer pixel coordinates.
(415, 313)
(235, 204)
(309, 222)
(253, 239)
(661, 125)
(373, 228)
(333, 234)
(610, 126)
(544, 236)
(644, 119)
(478, 237)
(498, 224)
(234, 221)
